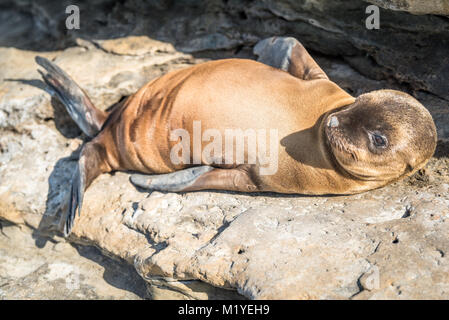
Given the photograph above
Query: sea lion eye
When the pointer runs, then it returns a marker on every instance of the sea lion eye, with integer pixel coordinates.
(378, 140)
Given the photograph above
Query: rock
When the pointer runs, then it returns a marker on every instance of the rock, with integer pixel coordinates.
(70, 272)
(440, 7)
(168, 288)
(387, 243)
(331, 27)
(134, 46)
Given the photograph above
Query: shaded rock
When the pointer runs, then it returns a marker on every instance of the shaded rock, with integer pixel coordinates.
(410, 48)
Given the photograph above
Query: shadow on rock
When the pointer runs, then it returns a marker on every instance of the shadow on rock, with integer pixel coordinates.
(63, 122)
(58, 190)
(442, 150)
(119, 275)
(33, 82)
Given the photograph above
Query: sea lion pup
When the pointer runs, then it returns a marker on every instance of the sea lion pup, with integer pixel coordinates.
(327, 141)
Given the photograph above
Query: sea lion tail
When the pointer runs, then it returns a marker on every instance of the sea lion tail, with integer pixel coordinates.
(90, 165)
(88, 118)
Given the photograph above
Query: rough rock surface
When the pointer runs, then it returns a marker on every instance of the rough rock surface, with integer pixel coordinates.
(59, 270)
(387, 243)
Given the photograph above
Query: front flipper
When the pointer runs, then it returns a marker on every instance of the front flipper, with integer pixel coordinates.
(198, 178)
(288, 54)
(172, 182)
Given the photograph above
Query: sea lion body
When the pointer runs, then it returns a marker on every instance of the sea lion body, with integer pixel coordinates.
(227, 94)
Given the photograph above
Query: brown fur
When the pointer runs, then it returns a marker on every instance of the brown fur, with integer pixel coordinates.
(136, 137)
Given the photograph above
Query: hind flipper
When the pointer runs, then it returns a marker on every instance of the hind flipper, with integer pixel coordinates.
(76, 198)
(91, 164)
(89, 119)
(288, 54)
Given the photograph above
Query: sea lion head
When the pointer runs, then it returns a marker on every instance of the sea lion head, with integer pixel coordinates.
(383, 135)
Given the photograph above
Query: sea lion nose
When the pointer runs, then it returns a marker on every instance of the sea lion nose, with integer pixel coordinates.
(333, 122)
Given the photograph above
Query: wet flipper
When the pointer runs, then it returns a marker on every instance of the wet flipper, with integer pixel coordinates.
(76, 198)
(90, 165)
(288, 54)
(88, 118)
(171, 182)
